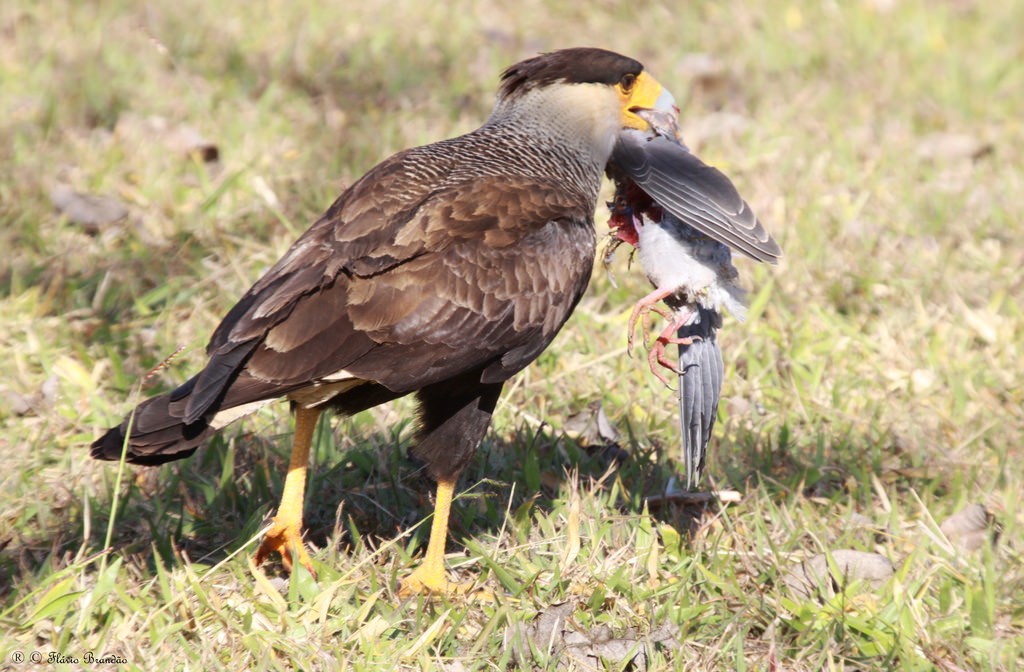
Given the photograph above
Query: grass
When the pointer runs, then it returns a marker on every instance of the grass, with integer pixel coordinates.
(873, 392)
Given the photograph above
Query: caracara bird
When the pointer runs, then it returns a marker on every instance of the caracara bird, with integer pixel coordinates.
(441, 273)
(682, 216)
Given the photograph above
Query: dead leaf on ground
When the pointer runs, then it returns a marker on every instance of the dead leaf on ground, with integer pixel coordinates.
(90, 211)
(15, 403)
(813, 576)
(177, 137)
(552, 635)
(968, 528)
(952, 147)
(595, 433)
(48, 391)
(591, 426)
(186, 140)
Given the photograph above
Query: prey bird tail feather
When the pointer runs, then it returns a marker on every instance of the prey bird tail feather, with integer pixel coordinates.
(700, 387)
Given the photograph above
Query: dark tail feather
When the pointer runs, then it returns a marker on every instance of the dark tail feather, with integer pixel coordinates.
(161, 431)
(158, 436)
(211, 384)
(700, 388)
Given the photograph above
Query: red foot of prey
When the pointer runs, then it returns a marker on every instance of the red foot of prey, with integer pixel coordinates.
(666, 337)
(656, 351)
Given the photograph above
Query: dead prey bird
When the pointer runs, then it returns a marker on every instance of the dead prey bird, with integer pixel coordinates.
(683, 217)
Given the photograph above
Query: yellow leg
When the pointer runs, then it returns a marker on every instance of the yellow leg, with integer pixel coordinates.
(430, 576)
(285, 535)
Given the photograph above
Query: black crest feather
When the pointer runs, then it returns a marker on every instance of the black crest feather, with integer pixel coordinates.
(578, 65)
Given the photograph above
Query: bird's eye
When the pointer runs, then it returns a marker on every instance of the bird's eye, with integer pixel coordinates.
(627, 82)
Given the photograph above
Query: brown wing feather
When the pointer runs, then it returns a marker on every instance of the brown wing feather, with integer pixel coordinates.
(479, 286)
(405, 283)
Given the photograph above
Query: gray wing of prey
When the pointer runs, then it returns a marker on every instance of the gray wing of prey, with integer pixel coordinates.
(698, 194)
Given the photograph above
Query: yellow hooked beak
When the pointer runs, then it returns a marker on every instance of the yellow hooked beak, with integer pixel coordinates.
(643, 94)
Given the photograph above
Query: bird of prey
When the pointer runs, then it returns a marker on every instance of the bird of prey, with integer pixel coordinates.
(683, 216)
(441, 273)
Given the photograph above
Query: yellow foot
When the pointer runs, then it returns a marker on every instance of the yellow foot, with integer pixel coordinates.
(426, 579)
(285, 540)
(431, 581)
(414, 586)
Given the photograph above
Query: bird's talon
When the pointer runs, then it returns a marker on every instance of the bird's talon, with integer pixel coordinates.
(664, 381)
(656, 358)
(427, 580)
(688, 340)
(640, 310)
(285, 540)
(412, 586)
